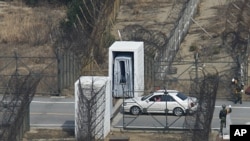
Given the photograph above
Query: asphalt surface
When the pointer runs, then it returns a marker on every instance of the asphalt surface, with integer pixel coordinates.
(60, 112)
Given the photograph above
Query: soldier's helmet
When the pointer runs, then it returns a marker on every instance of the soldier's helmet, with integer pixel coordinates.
(223, 106)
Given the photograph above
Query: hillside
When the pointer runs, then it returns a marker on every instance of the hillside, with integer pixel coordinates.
(207, 27)
(153, 15)
(28, 30)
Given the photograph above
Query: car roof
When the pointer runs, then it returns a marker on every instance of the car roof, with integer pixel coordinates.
(169, 91)
(172, 92)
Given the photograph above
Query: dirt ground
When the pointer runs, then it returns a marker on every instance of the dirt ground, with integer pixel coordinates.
(59, 135)
(142, 136)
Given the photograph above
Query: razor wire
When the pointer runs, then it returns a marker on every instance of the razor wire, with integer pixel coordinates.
(14, 105)
(159, 44)
(198, 125)
(203, 86)
(236, 36)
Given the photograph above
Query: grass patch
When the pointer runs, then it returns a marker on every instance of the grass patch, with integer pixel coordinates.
(24, 25)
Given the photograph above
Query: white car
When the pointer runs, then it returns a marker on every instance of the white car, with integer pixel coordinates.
(174, 101)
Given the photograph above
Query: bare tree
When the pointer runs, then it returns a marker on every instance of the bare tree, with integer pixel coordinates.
(88, 39)
(14, 108)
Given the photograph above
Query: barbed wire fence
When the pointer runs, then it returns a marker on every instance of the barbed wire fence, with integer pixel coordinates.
(198, 125)
(236, 37)
(14, 105)
(205, 86)
(160, 47)
(16, 99)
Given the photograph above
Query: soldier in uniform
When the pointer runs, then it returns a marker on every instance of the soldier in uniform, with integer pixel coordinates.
(238, 90)
(223, 116)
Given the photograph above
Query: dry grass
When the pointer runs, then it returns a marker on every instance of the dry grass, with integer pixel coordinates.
(150, 136)
(48, 134)
(57, 134)
(26, 25)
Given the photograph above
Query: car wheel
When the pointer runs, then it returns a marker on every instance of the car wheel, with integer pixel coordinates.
(178, 111)
(135, 110)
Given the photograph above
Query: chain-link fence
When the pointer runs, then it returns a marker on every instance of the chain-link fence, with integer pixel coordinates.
(59, 71)
(14, 105)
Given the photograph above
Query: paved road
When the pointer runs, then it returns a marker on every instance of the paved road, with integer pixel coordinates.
(240, 115)
(59, 112)
(52, 112)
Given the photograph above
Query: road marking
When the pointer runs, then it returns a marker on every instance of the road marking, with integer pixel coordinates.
(52, 125)
(58, 97)
(67, 114)
(56, 102)
(234, 118)
(234, 107)
(150, 127)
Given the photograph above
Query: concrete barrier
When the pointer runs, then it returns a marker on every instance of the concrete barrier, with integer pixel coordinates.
(226, 130)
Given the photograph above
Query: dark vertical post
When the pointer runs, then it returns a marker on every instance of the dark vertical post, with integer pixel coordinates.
(196, 57)
(59, 71)
(28, 118)
(123, 83)
(166, 93)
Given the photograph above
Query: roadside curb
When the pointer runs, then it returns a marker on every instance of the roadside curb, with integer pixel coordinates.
(116, 110)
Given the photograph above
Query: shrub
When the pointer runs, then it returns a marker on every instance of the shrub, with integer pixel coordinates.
(192, 48)
(31, 2)
(216, 50)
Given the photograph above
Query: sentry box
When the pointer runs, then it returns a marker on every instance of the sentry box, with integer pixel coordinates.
(126, 68)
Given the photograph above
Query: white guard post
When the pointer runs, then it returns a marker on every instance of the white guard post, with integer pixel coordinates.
(103, 105)
(126, 68)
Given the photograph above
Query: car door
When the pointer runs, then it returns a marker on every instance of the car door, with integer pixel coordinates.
(155, 104)
(171, 102)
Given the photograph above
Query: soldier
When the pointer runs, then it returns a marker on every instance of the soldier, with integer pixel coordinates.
(224, 112)
(238, 90)
(223, 116)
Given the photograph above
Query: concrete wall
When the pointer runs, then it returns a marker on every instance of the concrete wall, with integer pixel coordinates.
(93, 107)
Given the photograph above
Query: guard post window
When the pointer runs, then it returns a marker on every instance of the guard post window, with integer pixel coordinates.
(122, 71)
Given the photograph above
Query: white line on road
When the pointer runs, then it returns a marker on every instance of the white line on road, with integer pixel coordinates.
(150, 127)
(234, 107)
(52, 125)
(46, 102)
(59, 114)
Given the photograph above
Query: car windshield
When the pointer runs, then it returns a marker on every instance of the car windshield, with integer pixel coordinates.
(181, 96)
(146, 97)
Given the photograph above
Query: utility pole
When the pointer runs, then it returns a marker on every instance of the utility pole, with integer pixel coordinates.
(196, 57)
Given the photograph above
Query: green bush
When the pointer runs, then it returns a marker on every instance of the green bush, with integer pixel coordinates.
(31, 2)
(108, 39)
(216, 50)
(192, 48)
(53, 2)
(86, 13)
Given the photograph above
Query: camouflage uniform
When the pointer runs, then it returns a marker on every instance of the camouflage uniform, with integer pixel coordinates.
(222, 116)
(238, 94)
